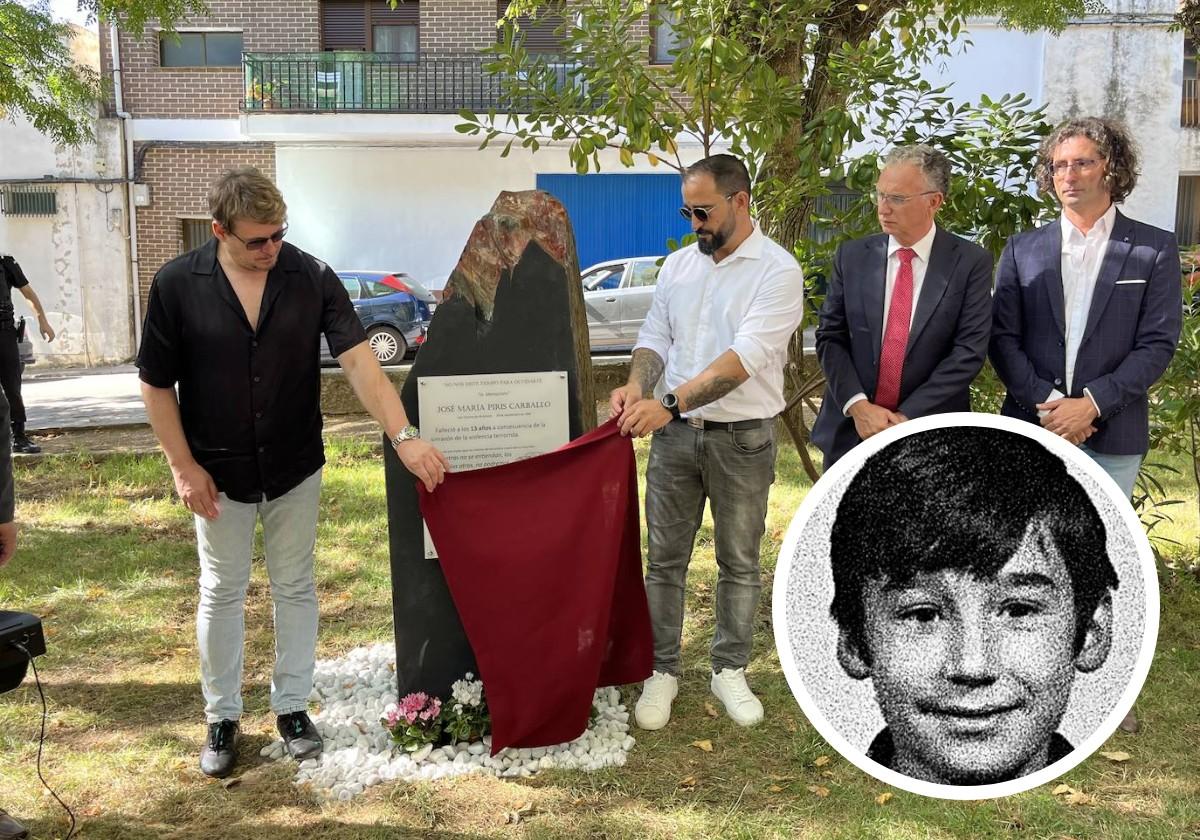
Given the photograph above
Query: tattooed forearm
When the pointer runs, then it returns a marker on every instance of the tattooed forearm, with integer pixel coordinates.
(645, 368)
(709, 391)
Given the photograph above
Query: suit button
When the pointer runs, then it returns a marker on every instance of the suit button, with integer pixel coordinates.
(1057, 381)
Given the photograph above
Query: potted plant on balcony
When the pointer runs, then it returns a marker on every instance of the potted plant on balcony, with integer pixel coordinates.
(266, 95)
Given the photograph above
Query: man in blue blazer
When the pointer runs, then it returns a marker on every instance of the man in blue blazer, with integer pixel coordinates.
(904, 327)
(1088, 308)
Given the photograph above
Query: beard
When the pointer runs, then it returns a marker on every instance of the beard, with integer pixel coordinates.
(710, 245)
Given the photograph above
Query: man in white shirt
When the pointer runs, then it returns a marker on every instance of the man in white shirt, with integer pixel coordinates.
(1088, 308)
(712, 349)
(904, 327)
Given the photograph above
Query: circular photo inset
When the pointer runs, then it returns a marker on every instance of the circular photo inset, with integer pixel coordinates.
(965, 606)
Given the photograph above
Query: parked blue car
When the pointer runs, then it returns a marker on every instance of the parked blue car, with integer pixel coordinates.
(395, 310)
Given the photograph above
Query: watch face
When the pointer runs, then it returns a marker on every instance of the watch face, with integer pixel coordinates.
(670, 402)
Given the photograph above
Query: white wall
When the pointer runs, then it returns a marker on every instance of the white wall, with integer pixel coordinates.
(404, 209)
(77, 259)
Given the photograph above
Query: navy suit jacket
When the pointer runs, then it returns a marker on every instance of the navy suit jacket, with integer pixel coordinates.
(1132, 328)
(947, 341)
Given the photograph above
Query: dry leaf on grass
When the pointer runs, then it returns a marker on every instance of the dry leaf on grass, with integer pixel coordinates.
(775, 789)
(687, 782)
(821, 761)
(705, 745)
(883, 798)
(1116, 756)
(1078, 797)
(819, 790)
(515, 817)
(711, 710)
(1061, 789)
(228, 783)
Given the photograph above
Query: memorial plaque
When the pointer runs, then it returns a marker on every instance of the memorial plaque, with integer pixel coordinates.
(513, 305)
(481, 420)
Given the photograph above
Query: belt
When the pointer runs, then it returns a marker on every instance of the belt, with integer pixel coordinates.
(718, 426)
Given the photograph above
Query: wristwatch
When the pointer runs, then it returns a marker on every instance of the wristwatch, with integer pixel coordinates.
(407, 433)
(671, 403)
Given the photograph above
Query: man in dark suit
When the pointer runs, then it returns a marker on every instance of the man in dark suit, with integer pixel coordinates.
(904, 327)
(1088, 308)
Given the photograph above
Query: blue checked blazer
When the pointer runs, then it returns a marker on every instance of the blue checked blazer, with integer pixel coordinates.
(1132, 328)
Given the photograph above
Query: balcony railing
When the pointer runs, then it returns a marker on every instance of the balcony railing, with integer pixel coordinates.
(392, 83)
(1189, 116)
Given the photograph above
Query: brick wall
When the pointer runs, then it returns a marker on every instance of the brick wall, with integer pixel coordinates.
(179, 175)
(457, 26)
(154, 91)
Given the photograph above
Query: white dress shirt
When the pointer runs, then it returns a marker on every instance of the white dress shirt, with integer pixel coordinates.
(751, 302)
(1082, 255)
(920, 265)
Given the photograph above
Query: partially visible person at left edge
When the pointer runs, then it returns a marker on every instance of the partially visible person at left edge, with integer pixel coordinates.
(237, 324)
(10, 359)
(10, 829)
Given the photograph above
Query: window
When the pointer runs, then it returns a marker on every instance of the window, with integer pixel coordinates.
(29, 200)
(372, 26)
(644, 273)
(352, 287)
(539, 36)
(376, 290)
(200, 49)
(195, 233)
(608, 277)
(1189, 115)
(400, 41)
(663, 37)
(1187, 211)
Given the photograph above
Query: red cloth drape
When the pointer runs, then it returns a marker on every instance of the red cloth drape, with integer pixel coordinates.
(543, 560)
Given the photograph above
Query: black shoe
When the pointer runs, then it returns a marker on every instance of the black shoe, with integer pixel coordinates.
(219, 754)
(300, 736)
(10, 829)
(22, 444)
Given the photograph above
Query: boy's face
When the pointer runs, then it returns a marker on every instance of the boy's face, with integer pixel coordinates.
(973, 675)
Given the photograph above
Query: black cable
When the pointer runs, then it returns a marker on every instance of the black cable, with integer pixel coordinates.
(42, 737)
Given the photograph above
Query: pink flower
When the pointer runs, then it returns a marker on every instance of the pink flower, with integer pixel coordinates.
(432, 710)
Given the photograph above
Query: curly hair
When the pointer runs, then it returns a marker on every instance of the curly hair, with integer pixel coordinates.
(1114, 144)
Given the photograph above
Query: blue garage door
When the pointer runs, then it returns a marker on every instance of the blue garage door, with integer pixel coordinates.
(618, 216)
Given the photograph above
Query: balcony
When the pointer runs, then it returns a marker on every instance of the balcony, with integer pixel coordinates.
(1189, 115)
(379, 83)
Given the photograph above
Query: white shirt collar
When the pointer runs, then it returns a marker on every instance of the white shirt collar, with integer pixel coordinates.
(922, 246)
(1103, 227)
(750, 249)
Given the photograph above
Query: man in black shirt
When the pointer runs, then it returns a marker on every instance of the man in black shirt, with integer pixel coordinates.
(237, 324)
(10, 357)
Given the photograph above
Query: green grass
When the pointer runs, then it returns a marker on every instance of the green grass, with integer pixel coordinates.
(107, 557)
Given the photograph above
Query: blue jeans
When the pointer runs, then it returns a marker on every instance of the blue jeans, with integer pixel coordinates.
(734, 471)
(1122, 468)
(225, 546)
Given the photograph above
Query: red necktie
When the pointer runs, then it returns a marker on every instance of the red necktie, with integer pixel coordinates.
(895, 334)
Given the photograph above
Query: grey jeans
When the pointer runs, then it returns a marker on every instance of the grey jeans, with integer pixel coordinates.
(734, 471)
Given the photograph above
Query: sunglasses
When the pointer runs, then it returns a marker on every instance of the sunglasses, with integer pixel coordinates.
(260, 242)
(700, 214)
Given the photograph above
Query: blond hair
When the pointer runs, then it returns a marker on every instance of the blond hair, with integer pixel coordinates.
(248, 195)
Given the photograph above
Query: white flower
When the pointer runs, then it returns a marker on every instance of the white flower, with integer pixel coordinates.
(467, 692)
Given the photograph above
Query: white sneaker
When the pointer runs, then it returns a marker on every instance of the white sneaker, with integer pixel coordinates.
(653, 708)
(740, 702)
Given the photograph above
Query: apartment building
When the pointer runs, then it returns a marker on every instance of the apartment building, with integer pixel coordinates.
(351, 105)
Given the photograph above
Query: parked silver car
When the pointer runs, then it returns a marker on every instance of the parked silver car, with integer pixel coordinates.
(617, 296)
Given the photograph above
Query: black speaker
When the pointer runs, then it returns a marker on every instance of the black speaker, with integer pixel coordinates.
(18, 629)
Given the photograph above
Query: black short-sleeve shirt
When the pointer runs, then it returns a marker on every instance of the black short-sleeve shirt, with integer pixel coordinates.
(14, 278)
(250, 400)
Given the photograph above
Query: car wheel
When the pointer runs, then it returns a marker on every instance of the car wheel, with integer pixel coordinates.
(387, 344)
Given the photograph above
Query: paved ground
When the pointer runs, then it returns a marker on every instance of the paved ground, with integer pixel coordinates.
(78, 398)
